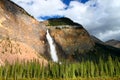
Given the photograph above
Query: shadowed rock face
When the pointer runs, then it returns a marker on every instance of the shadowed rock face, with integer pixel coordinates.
(96, 40)
(70, 38)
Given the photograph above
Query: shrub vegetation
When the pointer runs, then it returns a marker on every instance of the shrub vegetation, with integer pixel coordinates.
(77, 70)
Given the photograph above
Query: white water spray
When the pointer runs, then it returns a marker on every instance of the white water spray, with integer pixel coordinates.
(53, 51)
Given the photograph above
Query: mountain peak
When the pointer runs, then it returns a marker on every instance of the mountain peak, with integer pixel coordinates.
(10, 6)
(63, 21)
(114, 43)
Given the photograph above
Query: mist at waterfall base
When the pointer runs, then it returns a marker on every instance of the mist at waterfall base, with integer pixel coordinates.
(53, 51)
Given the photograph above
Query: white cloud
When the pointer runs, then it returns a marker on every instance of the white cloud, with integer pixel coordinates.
(109, 35)
(99, 17)
(42, 7)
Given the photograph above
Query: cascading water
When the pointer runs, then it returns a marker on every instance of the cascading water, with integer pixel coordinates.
(53, 51)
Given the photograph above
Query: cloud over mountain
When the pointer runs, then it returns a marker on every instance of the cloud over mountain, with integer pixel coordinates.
(100, 17)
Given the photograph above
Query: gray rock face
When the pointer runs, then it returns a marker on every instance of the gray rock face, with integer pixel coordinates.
(96, 40)
(114, 43)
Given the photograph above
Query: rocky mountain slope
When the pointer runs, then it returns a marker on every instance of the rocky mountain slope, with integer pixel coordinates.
(17, 25)
(75, 43)
(114, 43)
(23, 38)
(12, 51)
(96, 40)
(69, 37)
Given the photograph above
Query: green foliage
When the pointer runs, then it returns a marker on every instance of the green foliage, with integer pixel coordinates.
(61, 21)
(83, 69)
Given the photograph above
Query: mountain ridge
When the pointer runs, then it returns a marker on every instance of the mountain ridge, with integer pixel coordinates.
(71, 40)
(114, 43)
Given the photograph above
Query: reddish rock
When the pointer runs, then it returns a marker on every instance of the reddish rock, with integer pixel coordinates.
(14, 51)
(17, 25)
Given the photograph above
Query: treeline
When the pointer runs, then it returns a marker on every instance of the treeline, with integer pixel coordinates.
(84, 69)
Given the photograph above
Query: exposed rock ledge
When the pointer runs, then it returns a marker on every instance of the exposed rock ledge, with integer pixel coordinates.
(70, 37)
(14, 51)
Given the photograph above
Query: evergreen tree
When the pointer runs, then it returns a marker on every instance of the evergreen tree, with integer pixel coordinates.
(101, 69)
(92, 69)
(110, 66)
(96, 71)
(106, 69)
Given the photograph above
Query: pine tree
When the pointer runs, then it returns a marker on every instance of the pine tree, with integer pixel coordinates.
(84, 69)
(110, 66)
(81, 69)
(92, 69)
(101, 69)
(106, 69)
(88, 68)
(96, 70)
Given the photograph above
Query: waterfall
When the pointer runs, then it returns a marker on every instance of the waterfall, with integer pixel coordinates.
(53, 51)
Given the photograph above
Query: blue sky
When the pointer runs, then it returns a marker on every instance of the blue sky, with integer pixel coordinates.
(100, 17)
(67, 2)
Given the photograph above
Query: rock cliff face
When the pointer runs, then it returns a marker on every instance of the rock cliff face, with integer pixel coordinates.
(12, 51)
(96, 40)
(22, 29)
(114, 43)
(70, 38)
(17, 25)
